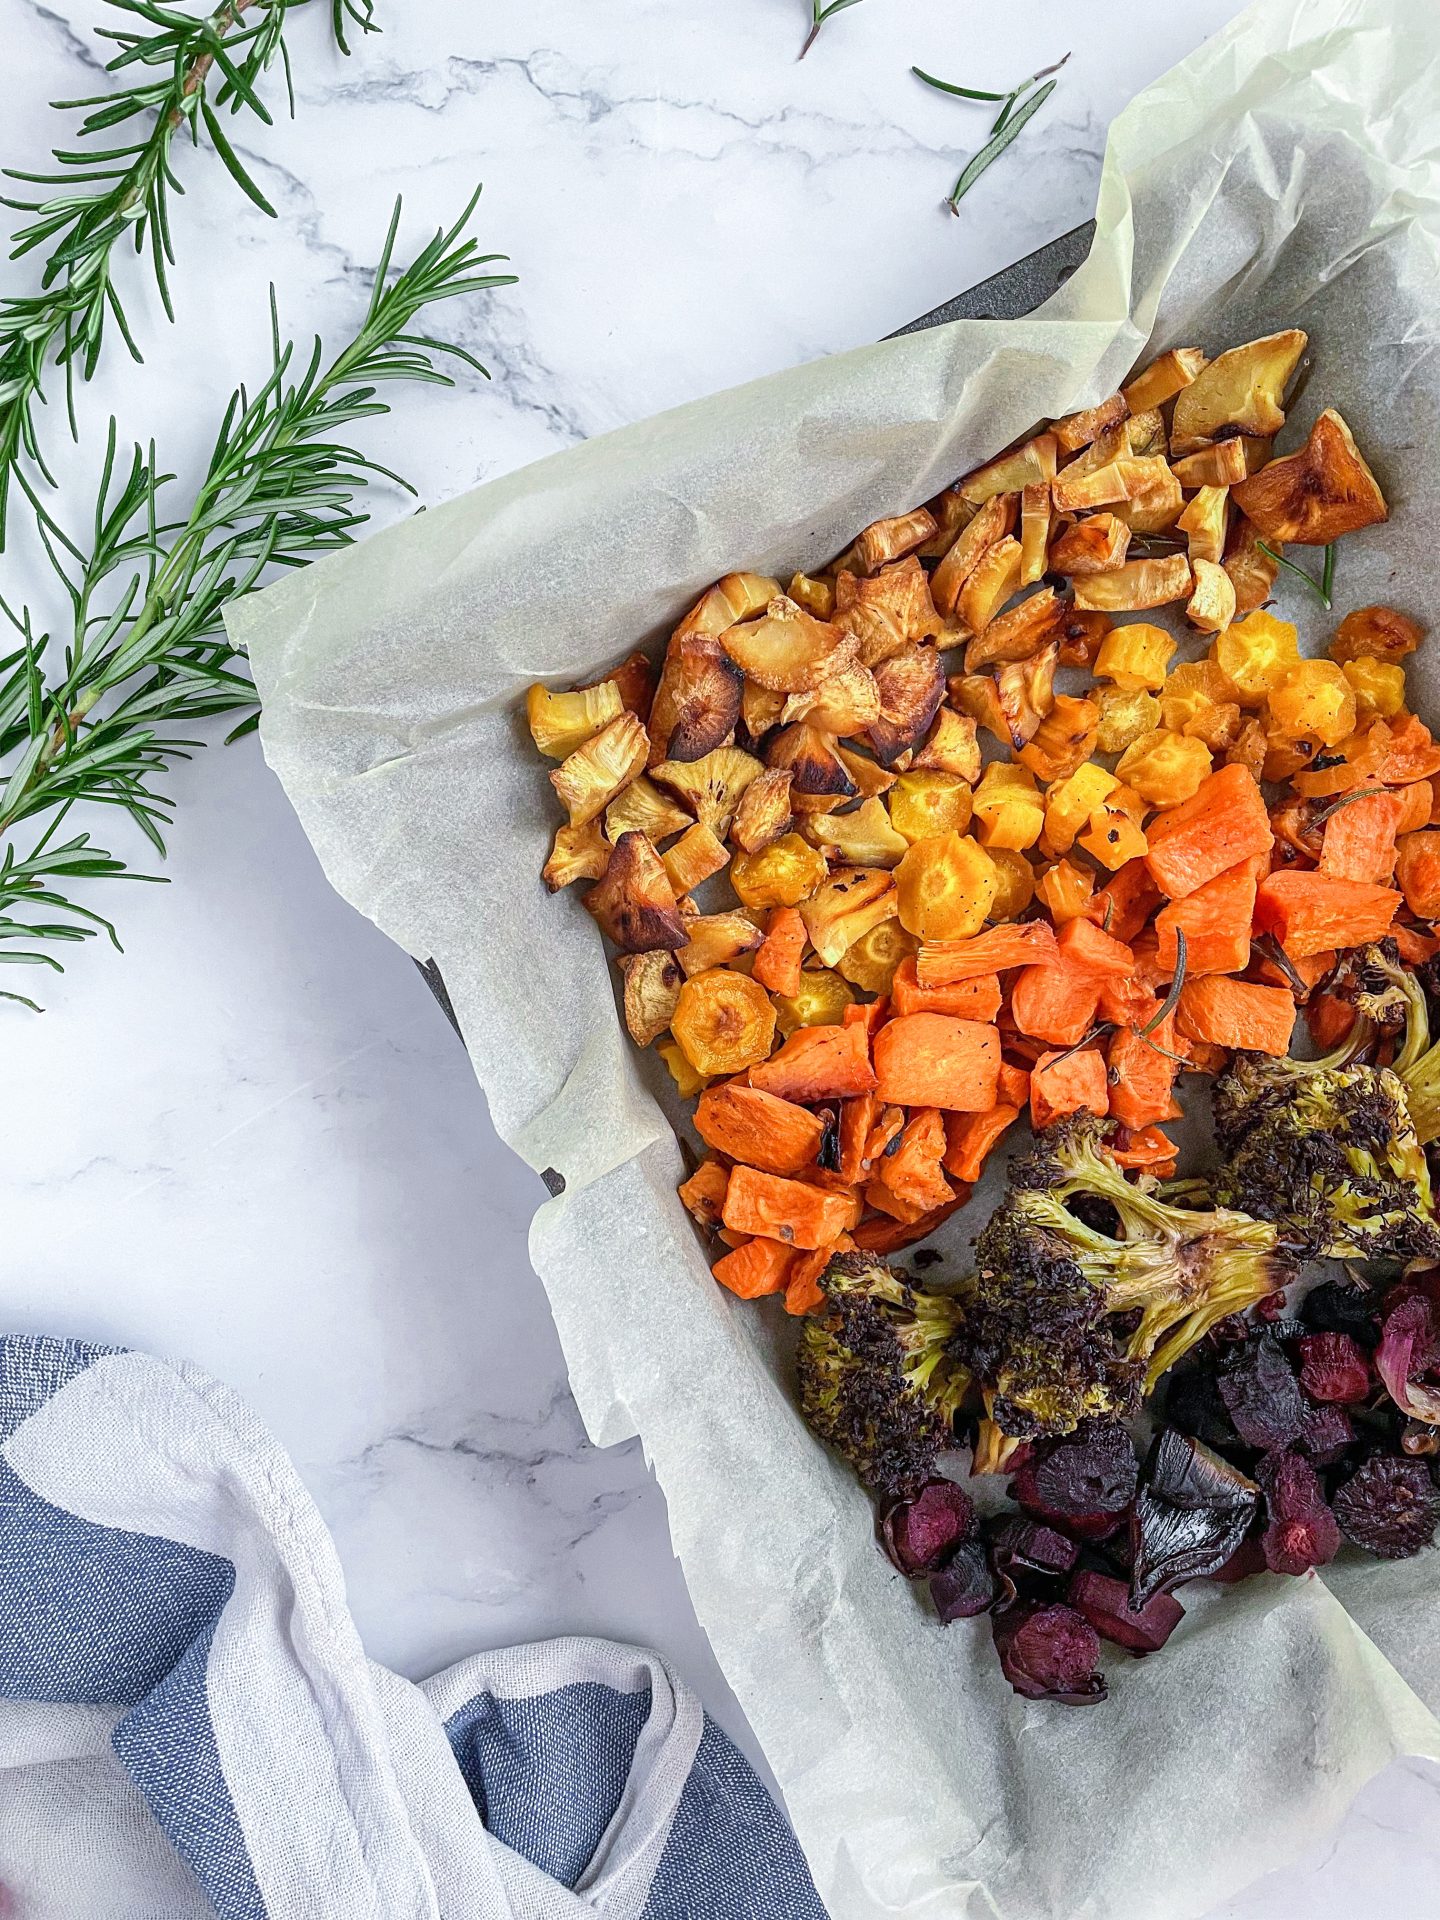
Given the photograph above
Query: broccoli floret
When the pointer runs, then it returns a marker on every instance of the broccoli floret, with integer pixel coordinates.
(1088, 1286)
(877, 1381)
(1327, 1149)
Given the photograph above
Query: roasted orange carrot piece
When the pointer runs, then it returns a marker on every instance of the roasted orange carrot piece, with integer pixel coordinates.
(857, 1116)
(703, 1194)
(777, 958)
(889, 1125)
(1141, 1076)
(1236, 1013)
(1215, 920)
(1415, 946)
(1311, 912)
(1417, 868)
(1055, 1004)
(1419, 810)
(885, 1236)
(803, 1292)
(941, 963)
(974, 999)
(1126, 1003)
(1411, 754)
(913, 1172)
(757, 1128)
(791, 1211)
(1013, 1085)
(933, 1060)
(869, 1014)
(817, 1063)
(1090, 950)
(1125, 902)
(1222, 823)
(1359, 841)
(1329, 1019)
(757, 1267)
(971, 1137)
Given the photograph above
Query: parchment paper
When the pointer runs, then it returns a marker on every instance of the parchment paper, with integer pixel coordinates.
(1287, 174)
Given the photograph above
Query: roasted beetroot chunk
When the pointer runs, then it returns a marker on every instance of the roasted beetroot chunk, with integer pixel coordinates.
(1337, 1307)
(1025, 1550)
(920, 1534)
(1248, 1558)
(965, 1585)
(1389, 1507)
(1049, 1653)
(1191, 1513)
(1105, 1603)
(1301, 1531)
(1325, 1434)
(1082, 1484)
(1261, 1392)
(1334, 1368)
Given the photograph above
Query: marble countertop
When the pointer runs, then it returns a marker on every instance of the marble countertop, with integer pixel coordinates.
(253, 1140)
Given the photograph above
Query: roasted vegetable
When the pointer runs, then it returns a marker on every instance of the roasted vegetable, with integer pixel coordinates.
(711, 785)
(788, 650)
(1064, 1321)
(1240, 388)
(1316, 495)
(634, 901)
(877, 1382)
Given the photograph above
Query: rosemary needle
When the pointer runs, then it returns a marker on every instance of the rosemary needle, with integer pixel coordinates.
(1324, 587)
(998, 142)
(819, 14)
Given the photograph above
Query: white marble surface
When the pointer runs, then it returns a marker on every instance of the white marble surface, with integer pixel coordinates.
(253, 1140)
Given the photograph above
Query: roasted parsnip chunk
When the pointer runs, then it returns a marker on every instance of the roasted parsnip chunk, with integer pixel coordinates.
(788, 650)
(760, 709)
(1218, 466)
(951, 746)
(911, 685)
(1012, 471)
(652, 989)
(846, 906)
(715, 940)
(867, 775)
(886, 611)
(1164, 378)
(712, 785)
(1204, 523)
(643, 808)
(1079, 429)
(695, 856)
(589, 778)
(991, 523)
(634, 900)
(890, 539)
(739, 596)
(815, 767)
(1097, 544)
(863, 837)
(1211, 607)
(1027, 692)
(764, 810)
(1242, 388)
(845, 705)
(1136, 585)
(977, 696)
(1252, 571)
(951, 512)
(992, 583)
(561, 722)
(814, 595)
(1034, 531)
(579, 853)
(697, 701)
(1019, 633)
(1158, 499)
(1316, 495)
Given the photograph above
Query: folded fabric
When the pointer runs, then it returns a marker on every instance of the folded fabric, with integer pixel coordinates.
(188, 1723)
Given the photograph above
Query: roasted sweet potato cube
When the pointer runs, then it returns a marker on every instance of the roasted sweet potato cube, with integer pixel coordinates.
(634, 901)
(1241, 388)
(1316, 495)
(652, 988)
(758, 1129)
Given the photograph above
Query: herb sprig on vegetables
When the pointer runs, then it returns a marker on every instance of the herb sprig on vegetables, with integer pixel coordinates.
(116, 185)
(97, 712)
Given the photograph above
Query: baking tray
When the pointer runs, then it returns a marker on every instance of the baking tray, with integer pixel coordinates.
(1008, 295)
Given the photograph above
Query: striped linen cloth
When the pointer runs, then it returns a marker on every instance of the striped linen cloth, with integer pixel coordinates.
(189, 1726)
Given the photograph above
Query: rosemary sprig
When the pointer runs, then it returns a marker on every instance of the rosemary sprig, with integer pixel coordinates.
(112, 188)
(99, 716)
(1018, 106)
(819, 14)
(1324, 587)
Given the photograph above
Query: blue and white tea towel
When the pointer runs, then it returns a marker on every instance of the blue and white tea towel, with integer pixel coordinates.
(188, 1723)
